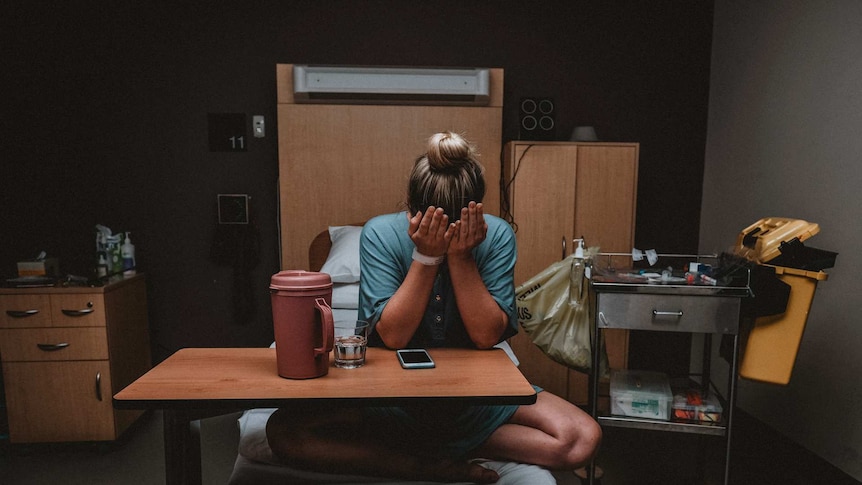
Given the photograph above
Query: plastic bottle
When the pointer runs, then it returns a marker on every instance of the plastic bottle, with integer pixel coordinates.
(127, 251)
(102, 266)
(115, 260)
(578, 267)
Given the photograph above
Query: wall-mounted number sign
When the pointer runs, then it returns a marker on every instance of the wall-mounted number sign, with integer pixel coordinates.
(227, 132)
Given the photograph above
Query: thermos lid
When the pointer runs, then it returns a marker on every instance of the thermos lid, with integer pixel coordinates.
(296, 279)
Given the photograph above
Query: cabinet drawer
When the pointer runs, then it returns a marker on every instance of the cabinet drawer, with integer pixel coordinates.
(25, 311)
(671, 313)
(52, 310)
(42, 344)
(78, 310)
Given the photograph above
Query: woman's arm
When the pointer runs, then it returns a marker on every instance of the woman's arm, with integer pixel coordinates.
(483, 318)
(403, 314)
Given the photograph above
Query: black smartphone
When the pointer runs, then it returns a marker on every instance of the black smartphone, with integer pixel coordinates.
(415, 359)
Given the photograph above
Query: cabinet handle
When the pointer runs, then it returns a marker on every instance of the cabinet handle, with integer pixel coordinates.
(657, 313)
(21, 313)
(78, 313)
(99, 386)
(52, 347)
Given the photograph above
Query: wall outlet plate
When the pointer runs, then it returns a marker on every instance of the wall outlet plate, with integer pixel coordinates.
(233, 208)
(259, 126)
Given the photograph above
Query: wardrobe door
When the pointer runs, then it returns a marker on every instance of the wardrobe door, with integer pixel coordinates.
(542, 194)
(559, 191)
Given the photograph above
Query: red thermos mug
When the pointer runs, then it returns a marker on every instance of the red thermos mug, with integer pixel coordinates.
(302, 321)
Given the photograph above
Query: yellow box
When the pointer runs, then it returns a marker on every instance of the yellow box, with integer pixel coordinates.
(770, 352)
(45, 267)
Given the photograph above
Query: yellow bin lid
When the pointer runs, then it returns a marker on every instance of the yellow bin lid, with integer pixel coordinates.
(760, 241)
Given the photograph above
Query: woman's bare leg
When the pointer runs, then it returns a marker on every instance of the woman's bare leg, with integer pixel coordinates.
(333, 441)
(553, 433)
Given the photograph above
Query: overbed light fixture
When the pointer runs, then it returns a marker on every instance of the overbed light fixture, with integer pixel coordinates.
(391, 85)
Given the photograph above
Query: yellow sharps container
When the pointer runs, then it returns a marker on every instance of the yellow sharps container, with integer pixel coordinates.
(774, 341)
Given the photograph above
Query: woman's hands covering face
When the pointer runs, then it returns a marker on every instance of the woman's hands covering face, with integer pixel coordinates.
(434, 236)
(468, 232)
(430, 231)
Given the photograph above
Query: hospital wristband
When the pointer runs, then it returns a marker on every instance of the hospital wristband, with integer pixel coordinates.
(427, 260)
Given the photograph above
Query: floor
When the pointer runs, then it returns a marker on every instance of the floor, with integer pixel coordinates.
(760, 457)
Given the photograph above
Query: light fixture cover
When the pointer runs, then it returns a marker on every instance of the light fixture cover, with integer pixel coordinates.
(391, 85)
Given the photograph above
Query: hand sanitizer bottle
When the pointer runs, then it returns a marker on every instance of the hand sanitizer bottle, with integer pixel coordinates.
(578, 268)
(127, 252)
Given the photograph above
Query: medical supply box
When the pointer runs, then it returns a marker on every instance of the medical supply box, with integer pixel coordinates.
(690, 405)
(641, 394)
(772, 345)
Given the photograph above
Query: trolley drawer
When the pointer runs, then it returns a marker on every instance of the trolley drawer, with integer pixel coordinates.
(670, 313)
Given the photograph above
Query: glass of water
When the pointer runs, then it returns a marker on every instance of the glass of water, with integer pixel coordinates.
(351, 340)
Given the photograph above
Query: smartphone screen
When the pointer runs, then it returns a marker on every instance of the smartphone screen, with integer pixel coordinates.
(415, 359)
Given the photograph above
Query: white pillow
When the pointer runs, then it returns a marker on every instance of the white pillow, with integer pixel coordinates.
(342, 264)
(345, 295)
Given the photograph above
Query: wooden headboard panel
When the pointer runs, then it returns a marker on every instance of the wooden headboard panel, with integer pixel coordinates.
(342, 163)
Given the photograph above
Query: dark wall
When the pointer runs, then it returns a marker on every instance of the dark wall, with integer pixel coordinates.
(105, 120)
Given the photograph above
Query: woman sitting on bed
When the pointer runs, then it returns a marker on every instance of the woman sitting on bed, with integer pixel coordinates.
(440, 275)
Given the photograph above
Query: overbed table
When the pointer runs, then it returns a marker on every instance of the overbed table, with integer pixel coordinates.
(199, 382)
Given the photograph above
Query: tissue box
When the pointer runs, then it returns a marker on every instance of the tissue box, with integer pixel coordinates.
(640, 394)
(45, 267)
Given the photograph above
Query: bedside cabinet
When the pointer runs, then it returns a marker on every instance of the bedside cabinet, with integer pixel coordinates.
(65, 352)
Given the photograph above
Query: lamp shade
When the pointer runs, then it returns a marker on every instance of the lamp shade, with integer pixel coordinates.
(584, 133)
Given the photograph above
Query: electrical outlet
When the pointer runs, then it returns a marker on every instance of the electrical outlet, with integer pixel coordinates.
(259, 126)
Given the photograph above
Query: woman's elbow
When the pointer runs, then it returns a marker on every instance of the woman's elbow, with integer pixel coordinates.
(392, 341)
(485, 345)
(486, 340)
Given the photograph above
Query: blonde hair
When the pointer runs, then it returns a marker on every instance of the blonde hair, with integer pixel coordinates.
(448, 175)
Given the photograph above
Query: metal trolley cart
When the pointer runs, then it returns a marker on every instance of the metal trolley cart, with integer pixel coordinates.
(622, 300)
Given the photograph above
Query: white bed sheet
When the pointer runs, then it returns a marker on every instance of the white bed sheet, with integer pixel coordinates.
(255, 464)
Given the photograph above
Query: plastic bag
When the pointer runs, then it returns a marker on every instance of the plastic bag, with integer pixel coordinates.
(553, 309)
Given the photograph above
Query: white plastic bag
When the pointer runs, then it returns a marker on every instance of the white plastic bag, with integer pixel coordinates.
(553, 309)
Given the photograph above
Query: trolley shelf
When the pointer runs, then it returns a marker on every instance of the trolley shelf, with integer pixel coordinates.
(654, 424)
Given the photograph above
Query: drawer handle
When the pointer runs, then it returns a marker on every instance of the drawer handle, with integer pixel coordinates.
(52, 347)
(21, 313)
(657, 313)
(77, 313)
(99, 386)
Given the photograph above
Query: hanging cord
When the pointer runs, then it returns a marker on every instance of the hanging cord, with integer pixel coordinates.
(505, 188)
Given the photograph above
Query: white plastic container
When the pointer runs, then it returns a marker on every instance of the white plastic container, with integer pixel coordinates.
(640, 394)
(127, 252)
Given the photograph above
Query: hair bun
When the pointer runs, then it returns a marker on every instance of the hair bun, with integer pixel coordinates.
(447, 151)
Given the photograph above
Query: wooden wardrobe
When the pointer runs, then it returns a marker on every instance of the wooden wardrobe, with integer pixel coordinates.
(556, 192)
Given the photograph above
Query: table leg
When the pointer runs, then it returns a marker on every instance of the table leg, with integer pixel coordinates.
(182, 448)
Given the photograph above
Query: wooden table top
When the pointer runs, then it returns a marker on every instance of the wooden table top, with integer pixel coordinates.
(198, 378)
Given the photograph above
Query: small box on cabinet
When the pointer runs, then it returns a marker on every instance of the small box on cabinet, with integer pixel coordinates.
(43, 267)
(640, 394)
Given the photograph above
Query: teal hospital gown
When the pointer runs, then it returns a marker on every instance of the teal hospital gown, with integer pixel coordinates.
(386, 253)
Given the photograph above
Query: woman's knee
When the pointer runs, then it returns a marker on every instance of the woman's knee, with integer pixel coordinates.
(283, 436)
(584, 438)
